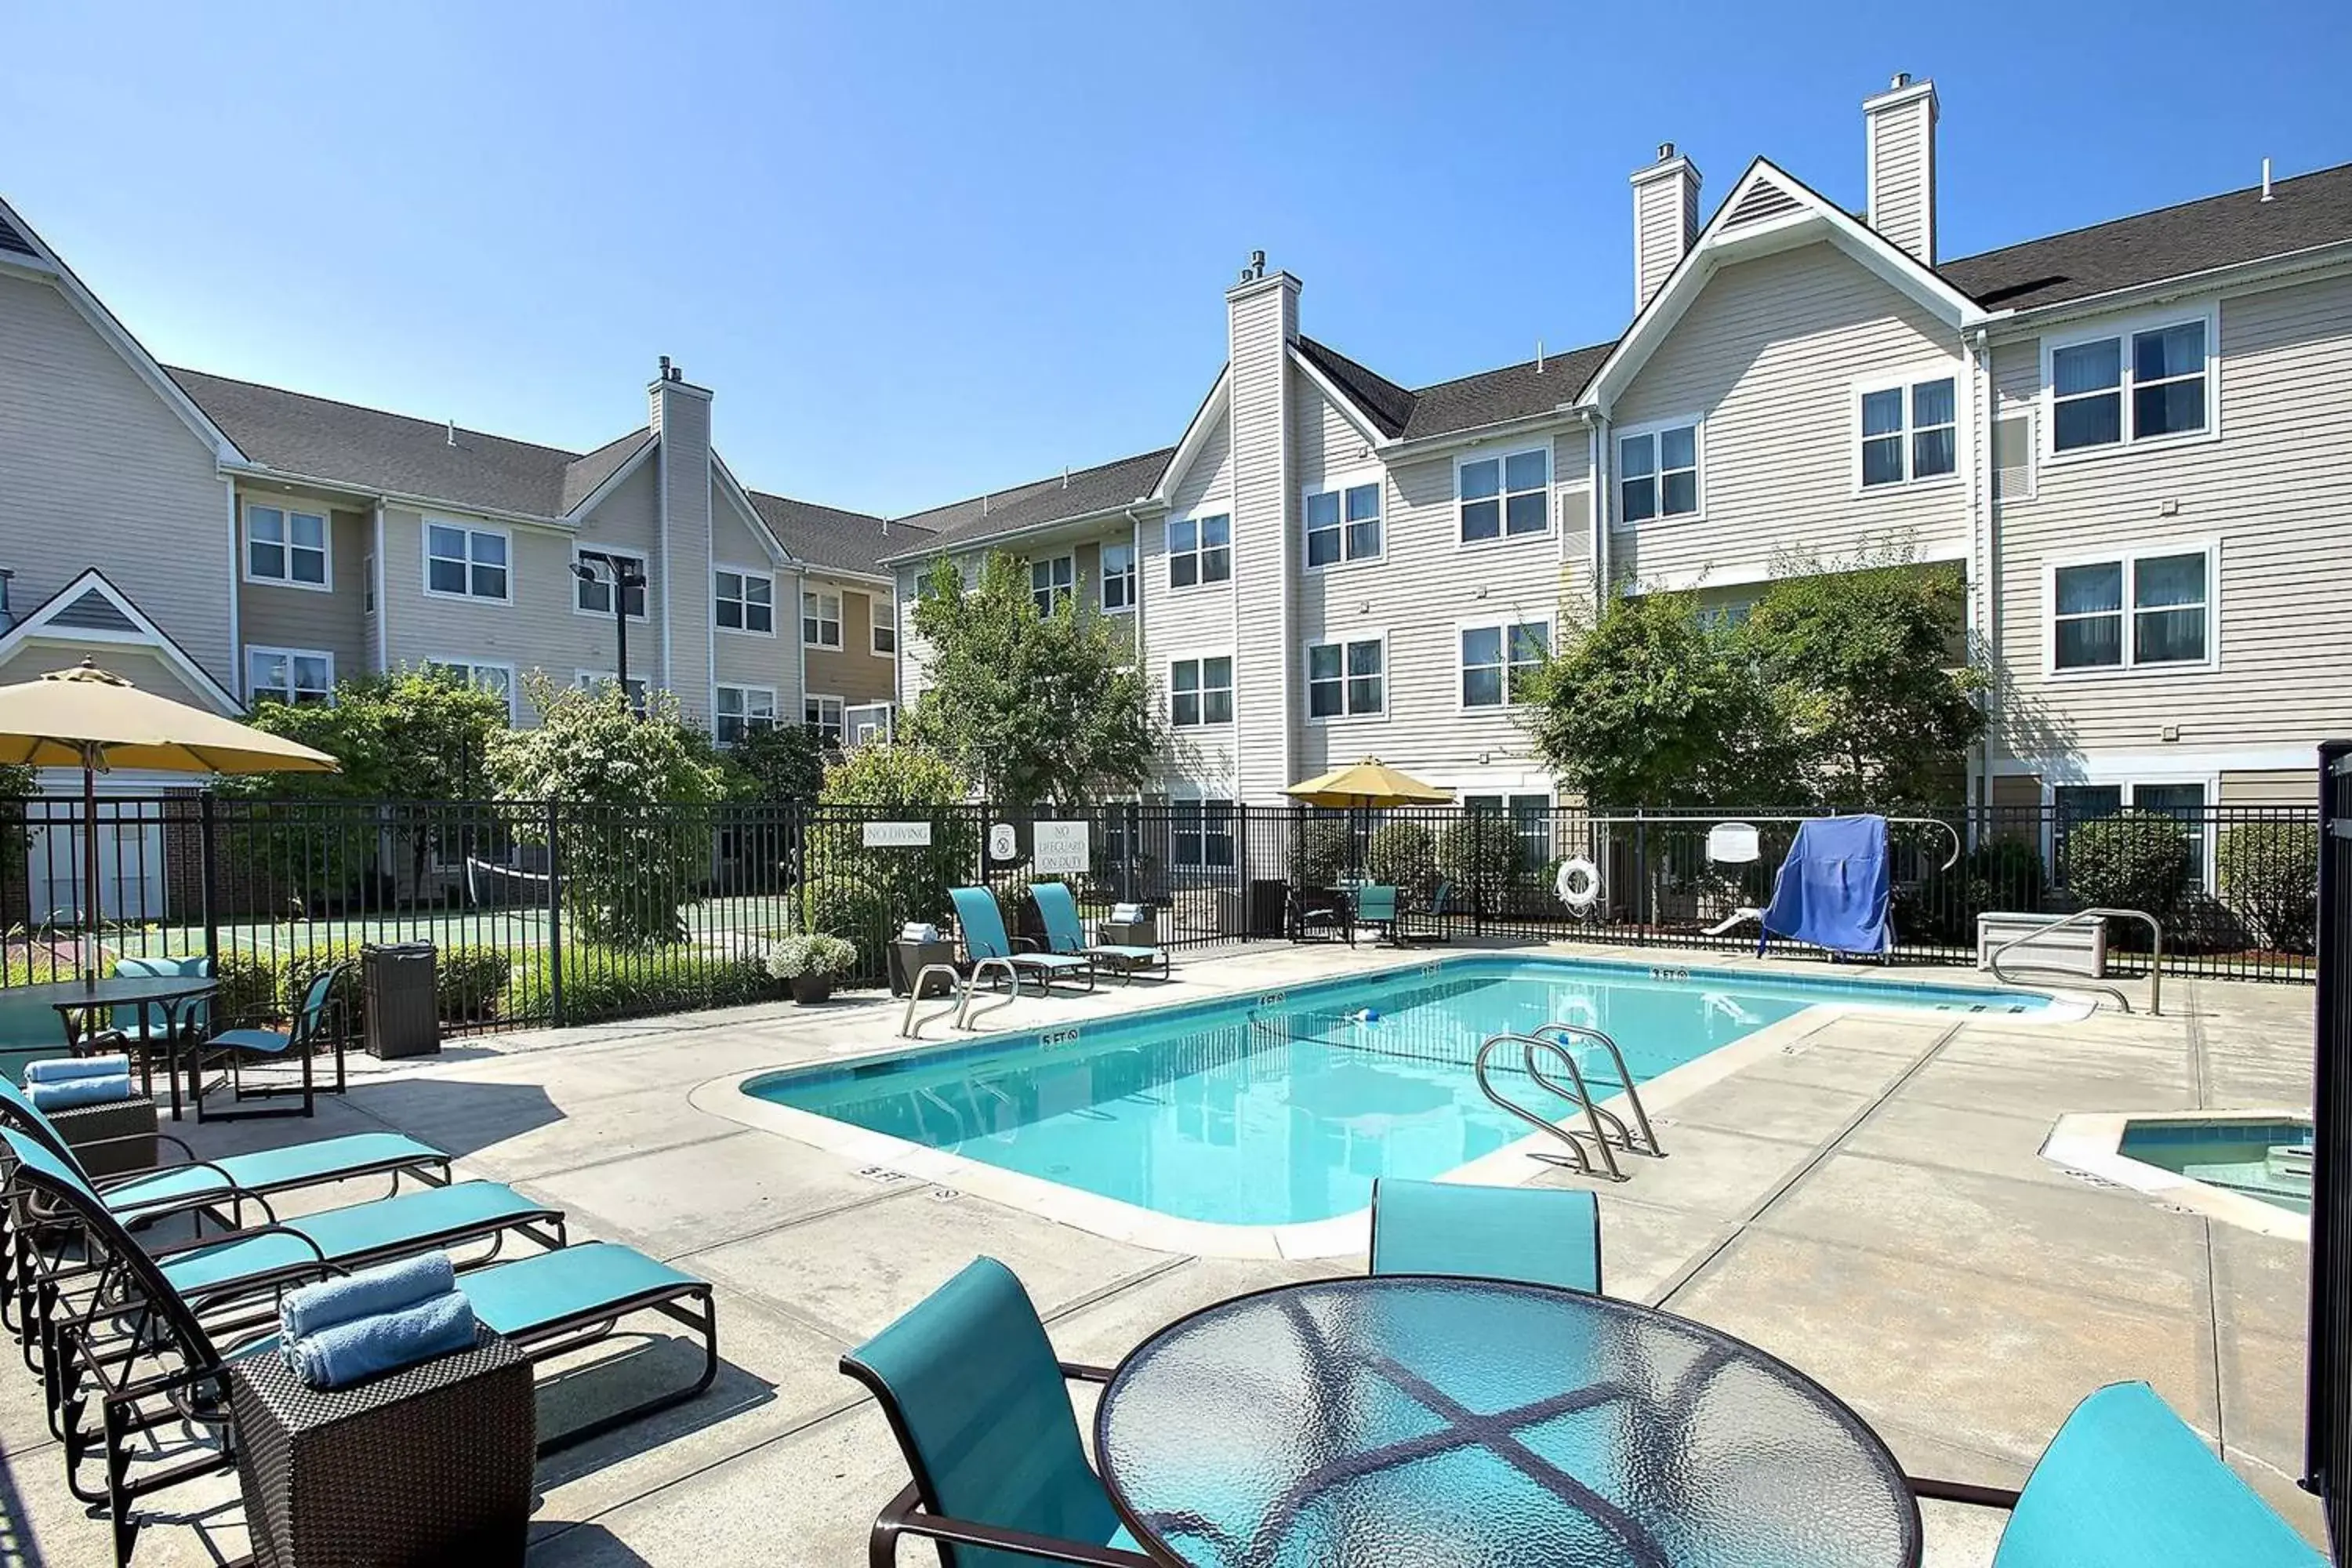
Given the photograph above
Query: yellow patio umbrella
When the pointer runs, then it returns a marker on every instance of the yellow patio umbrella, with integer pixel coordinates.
(96, 720)
(1369, 784)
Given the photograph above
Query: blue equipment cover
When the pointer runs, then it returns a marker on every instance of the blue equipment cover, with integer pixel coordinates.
(1833, 891)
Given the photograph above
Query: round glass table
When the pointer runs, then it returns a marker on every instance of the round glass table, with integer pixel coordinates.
(1410, 1422)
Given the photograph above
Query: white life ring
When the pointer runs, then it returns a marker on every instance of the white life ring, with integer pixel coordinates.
(1577, 883)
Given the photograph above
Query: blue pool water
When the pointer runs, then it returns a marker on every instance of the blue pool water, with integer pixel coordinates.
(1282, 1107)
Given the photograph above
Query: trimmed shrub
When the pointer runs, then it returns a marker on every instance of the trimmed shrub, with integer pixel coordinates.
(857, 913)
(603, 983)
(1323, 851)
(2003, 875)
(1482, 854)
(2135, 860)
(469, 982)
(1403, 854)
(2268, 875)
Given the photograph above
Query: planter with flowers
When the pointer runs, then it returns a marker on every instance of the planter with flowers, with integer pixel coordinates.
(811, 963)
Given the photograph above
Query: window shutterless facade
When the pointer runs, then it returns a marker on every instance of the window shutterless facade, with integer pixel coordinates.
(1497, 660)
(1530, 817)
(1343, 523)
(2143, 380)
(886, 624)
(1346, 679)
(1200, 831)
(737, 711)
(1658, 472)
(498, 678)
(1117, 577)
(302, 675)
(1503, 496)
(285, 545)
(1910, 430)
(2151, 609)
(1200, 550)
(464, 561)
(745, 601)
(593, 595)
(2185, 801)
(1052, 582)
(821, 619)
(1201, 692)
(823, 714)
(602, 679)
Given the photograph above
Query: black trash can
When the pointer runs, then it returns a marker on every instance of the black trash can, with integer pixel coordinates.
(1268, 905)
(402, 1008)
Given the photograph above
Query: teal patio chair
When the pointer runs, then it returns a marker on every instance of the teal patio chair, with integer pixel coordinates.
(1066, 934)
(1406, 931)
(972, 1392)
(297, 1044)
(986, 941)
(168, 1371)
(1535, 1236)
(1376, 906)
(2125, 1483)
(151, 1028)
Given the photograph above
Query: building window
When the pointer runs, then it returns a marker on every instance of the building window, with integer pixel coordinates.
(466, 563)
(1909, 433)
(1201, 692)
(1200, 550)
(602, 679)
(1200, 831)
(1530, 817)
(746, 602)
(821, 619)
(885, 625)
(592, 595)
(283, 546)
(2075, 805)
(1052, 581)
(1657, 473)
(1345, 680)
(1118, 577)
(737, 711)
(2168, 595)
(1498, 660)
(2132, 387)
(1343, 524)
(300, 675)
(1503, 495)
(823, 714)
(367, 583)
(495, 678)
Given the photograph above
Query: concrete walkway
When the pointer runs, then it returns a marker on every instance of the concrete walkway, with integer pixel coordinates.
(1867, 1201)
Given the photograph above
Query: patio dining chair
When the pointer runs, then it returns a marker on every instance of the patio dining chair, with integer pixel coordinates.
(1065, 934)
(1317, 910)
(298, 1043)
(2125, 1483)
(983, 925)
(972, 1392)
(1535, 1236)
(147, 1030)
(1425, 924)
(1376, 906)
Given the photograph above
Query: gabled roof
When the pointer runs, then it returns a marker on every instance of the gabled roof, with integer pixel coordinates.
(91, 609)
(1497, 396)
(584, 475)
(10, 239)
(2303, 211)
(1082, 492)
(828, 536)
(1382, 401)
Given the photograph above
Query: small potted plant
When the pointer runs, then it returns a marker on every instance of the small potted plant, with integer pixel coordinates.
(811, 963)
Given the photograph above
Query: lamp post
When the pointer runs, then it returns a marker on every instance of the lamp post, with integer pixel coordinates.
(624, 574)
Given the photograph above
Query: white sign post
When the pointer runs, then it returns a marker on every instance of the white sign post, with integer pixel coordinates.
(897, 835)
(1062, 846)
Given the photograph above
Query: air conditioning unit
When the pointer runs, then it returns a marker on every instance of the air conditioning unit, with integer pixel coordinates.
(869, 721)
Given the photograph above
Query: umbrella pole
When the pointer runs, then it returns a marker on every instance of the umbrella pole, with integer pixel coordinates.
(89, 855)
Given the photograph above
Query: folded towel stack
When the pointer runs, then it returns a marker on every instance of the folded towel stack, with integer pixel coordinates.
(346, 1331)
(918, 931)
(63, 1082)
(1125, 914)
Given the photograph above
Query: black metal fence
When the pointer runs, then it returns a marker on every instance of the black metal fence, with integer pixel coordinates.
(552, 912)
(2328, 1410)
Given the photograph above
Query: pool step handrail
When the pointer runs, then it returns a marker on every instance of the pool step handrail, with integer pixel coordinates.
(980, 968)
(2083, 917)
(911, 1027)
(1577, 1158)
(1639, 1138)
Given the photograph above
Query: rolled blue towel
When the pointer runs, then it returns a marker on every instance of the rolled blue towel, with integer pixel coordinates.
(353, 1351)
(76, 1092)
(371, 1292)
(65, 1070)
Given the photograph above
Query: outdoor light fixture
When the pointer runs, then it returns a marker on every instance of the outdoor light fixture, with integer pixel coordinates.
(625, 575)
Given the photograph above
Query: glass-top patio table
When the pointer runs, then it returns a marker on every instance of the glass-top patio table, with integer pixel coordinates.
(80, 1003)
(1403, 1420)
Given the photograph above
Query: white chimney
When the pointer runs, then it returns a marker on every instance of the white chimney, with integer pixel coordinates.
(1899, 163)
(1665, 220)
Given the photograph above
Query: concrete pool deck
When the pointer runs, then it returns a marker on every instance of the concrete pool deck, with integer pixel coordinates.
(1866, 1200)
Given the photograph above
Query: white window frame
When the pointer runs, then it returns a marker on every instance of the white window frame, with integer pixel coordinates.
(639, 558)
(1905, 382)
(2128, 782)
(746, 575)
(1232, 681)
(640, 690)
(1196, 517)
(287, 693)
(287, 511)
(840, 714)
(882, 620)
(472, 669)
(2123, 329)
(1057, 593)
(470, 529)
(818, 617)
(1506, 625)
(1652, 428)
(1340, 485)
(1501, 457)
(1200, 799)
(2129, 559)
(1132, 577)
(1306, 678)
(749, 716)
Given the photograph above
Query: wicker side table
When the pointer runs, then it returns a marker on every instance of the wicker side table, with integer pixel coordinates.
(109, 1138)
(429, 1465)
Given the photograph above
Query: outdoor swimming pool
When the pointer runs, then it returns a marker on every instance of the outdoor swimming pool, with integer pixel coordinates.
(1283, 1107)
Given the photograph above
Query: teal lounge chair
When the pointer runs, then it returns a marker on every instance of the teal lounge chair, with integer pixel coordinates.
(297, 1044)
(1535, 1236)
(984, 942)
(171, 1371)
(972, 1393)
(1065, 934)
(2125, 1483)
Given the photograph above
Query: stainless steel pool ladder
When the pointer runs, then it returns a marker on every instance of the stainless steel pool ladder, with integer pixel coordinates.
(1597, 1121)
(965, 993)
(2083, 917)
(1640, 1139)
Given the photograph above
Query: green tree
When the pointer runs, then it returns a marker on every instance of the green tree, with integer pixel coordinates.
(780, 763)
(1037, 707)
(862, 893)
(632, 842)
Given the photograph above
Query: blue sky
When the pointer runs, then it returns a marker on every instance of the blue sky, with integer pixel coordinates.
(921, 251)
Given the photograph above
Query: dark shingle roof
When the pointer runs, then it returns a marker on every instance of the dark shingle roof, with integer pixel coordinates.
(828, 536)
(1080, 493)
(2171, 242)
(584, 473)
(12, 240)
(1388, 406)
(1513, 392)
